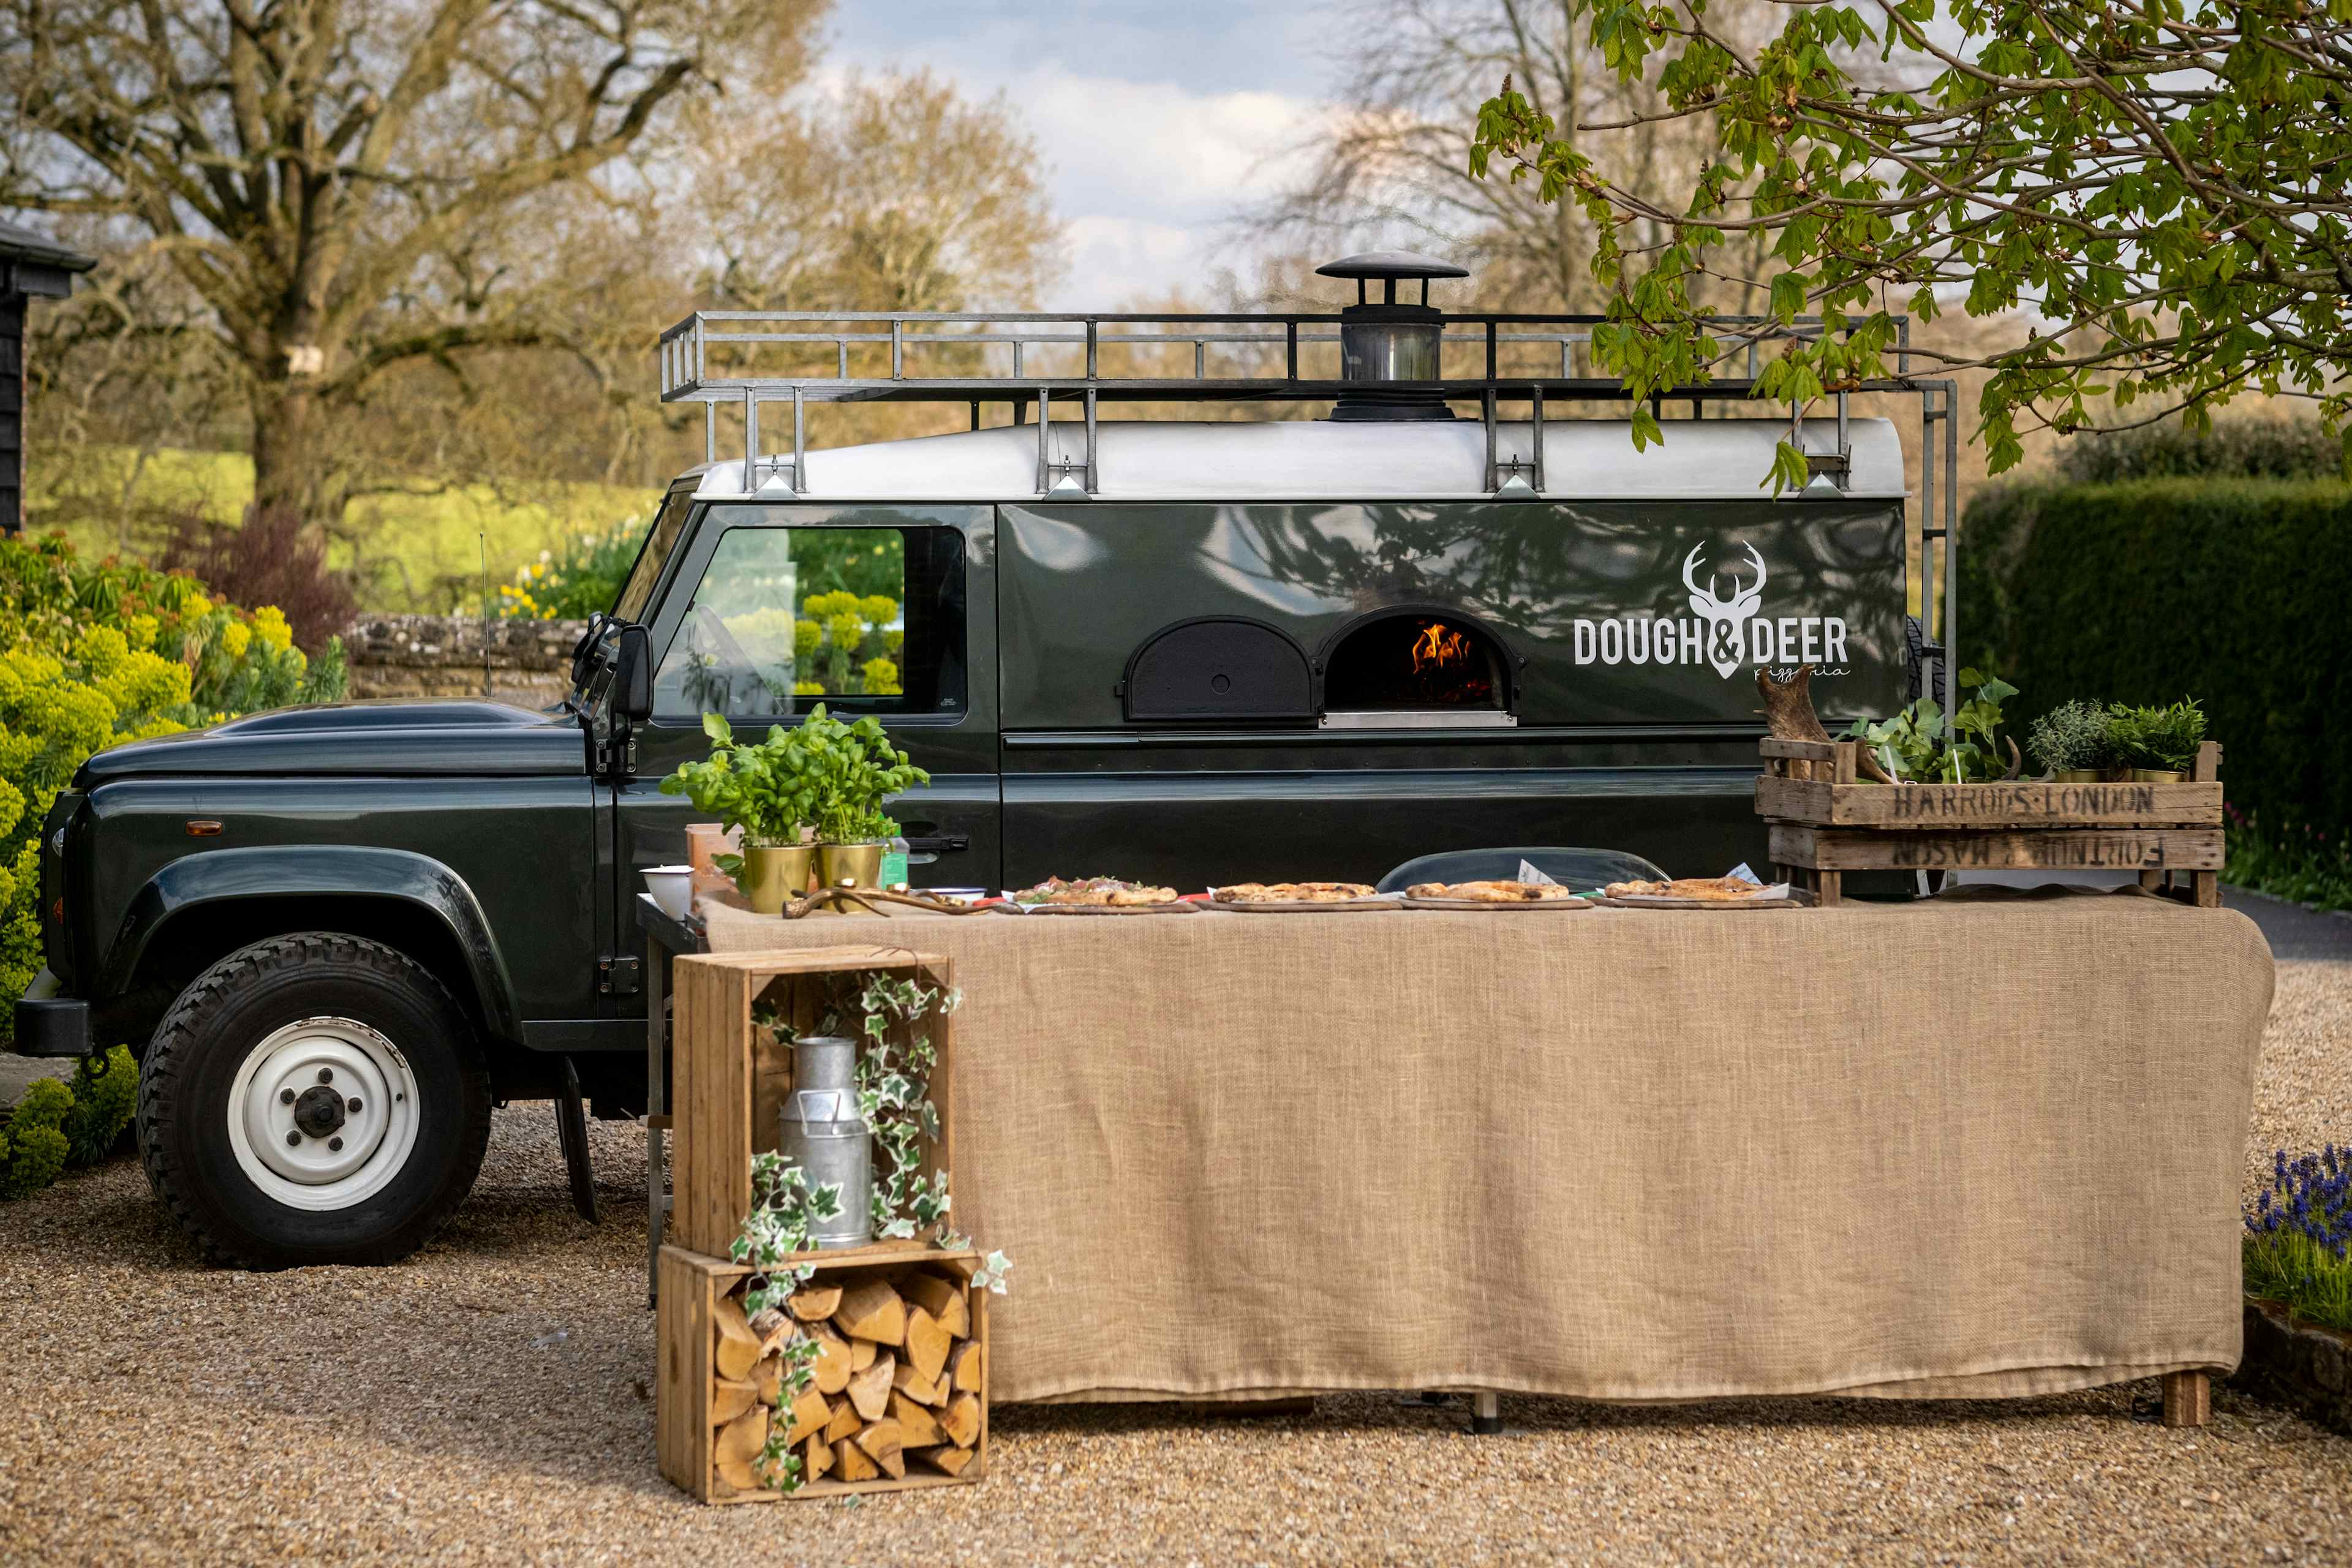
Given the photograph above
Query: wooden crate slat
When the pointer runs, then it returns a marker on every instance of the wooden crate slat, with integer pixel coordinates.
(2087, 848)
(1930, 807)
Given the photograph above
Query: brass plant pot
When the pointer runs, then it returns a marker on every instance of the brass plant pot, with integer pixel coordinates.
(860, 864)
(2156, 775)
(771, 874)
(2075, 775)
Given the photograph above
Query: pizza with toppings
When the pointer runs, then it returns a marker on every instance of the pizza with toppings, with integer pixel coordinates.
(1491, 893)
(1712, 889)
(1095, 893)
(1294, 892)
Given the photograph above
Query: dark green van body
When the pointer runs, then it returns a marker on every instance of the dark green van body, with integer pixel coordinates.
(502, 847)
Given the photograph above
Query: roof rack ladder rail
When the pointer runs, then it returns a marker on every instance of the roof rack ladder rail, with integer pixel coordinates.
(1487, 407)
(1928, 533)
(1951, 547)
(800, 443)
(750, 442)
(710, 431)
(1044, 423)
(897, 348)
(1535, 428)
(701, 350)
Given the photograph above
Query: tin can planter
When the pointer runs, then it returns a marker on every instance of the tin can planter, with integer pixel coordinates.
(860, 864)
(2156, 775)
(773, 873)
(2075, 775)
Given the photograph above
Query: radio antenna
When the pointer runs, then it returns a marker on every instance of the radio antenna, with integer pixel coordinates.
(482, 543)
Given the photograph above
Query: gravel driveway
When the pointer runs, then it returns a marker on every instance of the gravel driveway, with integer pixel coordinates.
(489, 1400)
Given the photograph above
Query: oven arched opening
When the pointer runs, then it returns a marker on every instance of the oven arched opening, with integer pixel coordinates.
(1417, 666)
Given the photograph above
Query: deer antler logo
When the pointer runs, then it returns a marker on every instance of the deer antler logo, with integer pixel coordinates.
(1725, 619)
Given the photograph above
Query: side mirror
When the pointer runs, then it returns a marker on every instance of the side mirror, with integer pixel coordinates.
(632, 676)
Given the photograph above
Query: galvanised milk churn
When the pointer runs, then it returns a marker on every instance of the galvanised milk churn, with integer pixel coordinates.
(820, 1130)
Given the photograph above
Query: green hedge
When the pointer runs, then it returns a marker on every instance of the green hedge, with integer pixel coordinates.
(2237, 591)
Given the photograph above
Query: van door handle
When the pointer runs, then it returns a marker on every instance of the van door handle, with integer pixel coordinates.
(939, 843)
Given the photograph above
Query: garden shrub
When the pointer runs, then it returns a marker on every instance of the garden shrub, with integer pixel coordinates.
(2155, 590)
(583, 578)
(56, 1125)
(274, 558)
(2242, 448)
(95, 654)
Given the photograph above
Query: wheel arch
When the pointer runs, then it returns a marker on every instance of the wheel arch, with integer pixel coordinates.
(202, 907)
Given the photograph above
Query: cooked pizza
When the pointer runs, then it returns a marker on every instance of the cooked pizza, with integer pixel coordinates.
(1294, 892)
(1094, 892)
(1491, 893)
(1718, 890)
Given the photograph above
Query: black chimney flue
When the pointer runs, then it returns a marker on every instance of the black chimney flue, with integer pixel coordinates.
(1390, 351)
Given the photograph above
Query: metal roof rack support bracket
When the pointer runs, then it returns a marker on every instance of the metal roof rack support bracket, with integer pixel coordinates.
(1513, 479)
(1059, 479)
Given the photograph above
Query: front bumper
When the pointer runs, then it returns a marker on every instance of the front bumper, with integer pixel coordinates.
(48, 1024)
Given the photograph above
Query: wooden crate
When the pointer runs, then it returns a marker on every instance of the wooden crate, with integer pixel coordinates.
(1825, 821)
(686, 1338)
(729, 1077)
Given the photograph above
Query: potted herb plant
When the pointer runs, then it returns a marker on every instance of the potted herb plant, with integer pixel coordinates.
(853, 768)
(2073, 741)
(1914, 747)
(767, 789)
(2158, 744)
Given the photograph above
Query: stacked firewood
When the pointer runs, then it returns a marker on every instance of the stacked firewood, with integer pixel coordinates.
(898, 1377)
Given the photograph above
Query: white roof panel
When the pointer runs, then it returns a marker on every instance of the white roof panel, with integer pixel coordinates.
(1584, 459)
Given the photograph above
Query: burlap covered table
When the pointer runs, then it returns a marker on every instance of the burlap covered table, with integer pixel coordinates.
(1943, 1149)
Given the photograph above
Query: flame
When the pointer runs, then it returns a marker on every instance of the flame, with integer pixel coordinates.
(1439, 646)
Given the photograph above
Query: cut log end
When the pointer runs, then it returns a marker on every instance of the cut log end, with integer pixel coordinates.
(729, 1398)
(961, 1420)
(869, 1391)
(844, 1421)
(945, 1300)
(850, 1463)
(809, 1417)
(738, 1348)
(833, 1367)
(870, 1309)
(817, 1459)
(738, 1446)
(814, 1303)
(917, 1427)
(966, 1363)
(947, 1461)
(927, 1342)
(883, 1445)
(915, 1386)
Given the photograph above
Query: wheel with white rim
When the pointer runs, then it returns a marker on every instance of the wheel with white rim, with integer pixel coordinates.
(323, 1113)
(316, 1098)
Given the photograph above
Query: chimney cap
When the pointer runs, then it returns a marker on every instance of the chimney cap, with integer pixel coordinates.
(1389, 264)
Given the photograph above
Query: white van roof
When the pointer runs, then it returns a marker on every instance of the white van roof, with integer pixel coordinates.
(1584, 459)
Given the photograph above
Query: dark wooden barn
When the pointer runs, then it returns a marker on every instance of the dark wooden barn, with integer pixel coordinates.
(30, 265)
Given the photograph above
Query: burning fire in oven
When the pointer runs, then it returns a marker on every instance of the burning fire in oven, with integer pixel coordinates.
(1439, 649)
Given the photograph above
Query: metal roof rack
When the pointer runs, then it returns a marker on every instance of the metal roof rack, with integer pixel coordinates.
(1034, 359)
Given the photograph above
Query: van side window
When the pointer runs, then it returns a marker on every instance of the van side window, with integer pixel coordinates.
(863, 620)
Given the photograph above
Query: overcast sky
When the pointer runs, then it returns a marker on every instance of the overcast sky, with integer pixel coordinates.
(1156, 119)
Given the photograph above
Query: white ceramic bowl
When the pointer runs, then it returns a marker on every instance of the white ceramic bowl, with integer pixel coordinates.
(672, 887)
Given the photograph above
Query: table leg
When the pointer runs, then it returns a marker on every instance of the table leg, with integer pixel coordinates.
(1485, 1414)
(2188, 1398)
(656, 1036)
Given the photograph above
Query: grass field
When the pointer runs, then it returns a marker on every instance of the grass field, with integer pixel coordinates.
(417, 552)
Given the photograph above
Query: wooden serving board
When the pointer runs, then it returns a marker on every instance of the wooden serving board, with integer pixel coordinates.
(1178, 908)
(1300, 906)
(1487, 907)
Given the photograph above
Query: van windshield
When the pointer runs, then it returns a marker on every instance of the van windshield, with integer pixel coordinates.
(638, 591)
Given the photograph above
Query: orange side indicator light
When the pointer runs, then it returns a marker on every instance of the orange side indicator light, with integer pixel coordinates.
(204, 827)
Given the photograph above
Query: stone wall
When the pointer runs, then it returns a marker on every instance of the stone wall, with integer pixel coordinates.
(441, 655)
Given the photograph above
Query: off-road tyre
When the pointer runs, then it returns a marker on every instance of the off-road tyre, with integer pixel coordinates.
(193, 1065)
